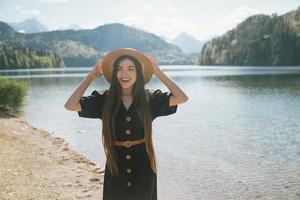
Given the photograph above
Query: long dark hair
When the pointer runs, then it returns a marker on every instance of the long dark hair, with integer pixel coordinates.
(111, 106)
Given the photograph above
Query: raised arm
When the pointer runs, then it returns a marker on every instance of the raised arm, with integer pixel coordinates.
(178, 96)
(72, 103)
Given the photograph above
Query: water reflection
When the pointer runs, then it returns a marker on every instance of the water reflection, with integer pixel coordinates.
(272, 82)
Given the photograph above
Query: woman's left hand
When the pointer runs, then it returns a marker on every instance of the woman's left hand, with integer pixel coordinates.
(155, 66)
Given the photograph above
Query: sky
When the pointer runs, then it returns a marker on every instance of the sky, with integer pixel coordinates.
(200, 18)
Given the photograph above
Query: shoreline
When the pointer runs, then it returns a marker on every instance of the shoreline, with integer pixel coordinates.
(35, 164)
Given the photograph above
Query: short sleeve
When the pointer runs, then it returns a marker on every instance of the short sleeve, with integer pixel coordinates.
(159, 104)
(92, 105)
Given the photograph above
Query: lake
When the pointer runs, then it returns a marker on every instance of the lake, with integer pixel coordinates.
(238, 136)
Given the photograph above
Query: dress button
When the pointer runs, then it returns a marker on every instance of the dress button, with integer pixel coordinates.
(129, 184)
(128, 171)
(128, 157)
(128, 118)
(128, 132)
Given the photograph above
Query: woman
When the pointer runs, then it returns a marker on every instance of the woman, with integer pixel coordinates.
(127, 111)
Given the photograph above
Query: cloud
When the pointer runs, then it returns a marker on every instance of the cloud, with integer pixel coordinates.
(132, 19)
(54, 1)
(172, 10)
(30, 12)
(148, 6)
(237, 16)
(92, 26)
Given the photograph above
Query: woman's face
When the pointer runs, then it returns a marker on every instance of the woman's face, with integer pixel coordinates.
(126, 74)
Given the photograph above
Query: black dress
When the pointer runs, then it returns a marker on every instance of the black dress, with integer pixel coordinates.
(136, 179)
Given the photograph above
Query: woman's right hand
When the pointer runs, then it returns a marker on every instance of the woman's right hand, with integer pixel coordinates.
(97, 70)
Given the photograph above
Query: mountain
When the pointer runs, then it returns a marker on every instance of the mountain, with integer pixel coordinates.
(31, 25)
(85, 47)
(162, 36)
(187, 43)
(260, 40)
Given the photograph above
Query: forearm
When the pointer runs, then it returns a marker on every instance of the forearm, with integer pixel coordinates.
(171, 85)
(79, 92)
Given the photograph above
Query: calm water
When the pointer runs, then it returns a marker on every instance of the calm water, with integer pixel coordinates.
(238, 137)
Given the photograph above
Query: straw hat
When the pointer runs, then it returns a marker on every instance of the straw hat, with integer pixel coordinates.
(110, 58)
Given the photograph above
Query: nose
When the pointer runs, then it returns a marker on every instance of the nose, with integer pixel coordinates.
(124, 74)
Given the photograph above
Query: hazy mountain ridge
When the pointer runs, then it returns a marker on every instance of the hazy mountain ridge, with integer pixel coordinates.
(31, 25)
(188, 43)
(85, 47)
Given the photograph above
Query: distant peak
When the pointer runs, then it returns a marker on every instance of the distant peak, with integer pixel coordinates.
(30, 25)
(32, 19)
(114, 25)
(184, 35)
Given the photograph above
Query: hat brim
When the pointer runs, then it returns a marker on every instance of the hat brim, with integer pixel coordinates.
(110, 58)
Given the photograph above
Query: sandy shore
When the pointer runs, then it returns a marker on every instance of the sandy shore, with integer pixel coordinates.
(36, 165)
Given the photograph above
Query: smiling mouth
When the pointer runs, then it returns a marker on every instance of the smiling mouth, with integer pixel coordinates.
(125, 80)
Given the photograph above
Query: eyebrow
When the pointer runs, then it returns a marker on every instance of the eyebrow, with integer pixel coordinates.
(130, 66)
